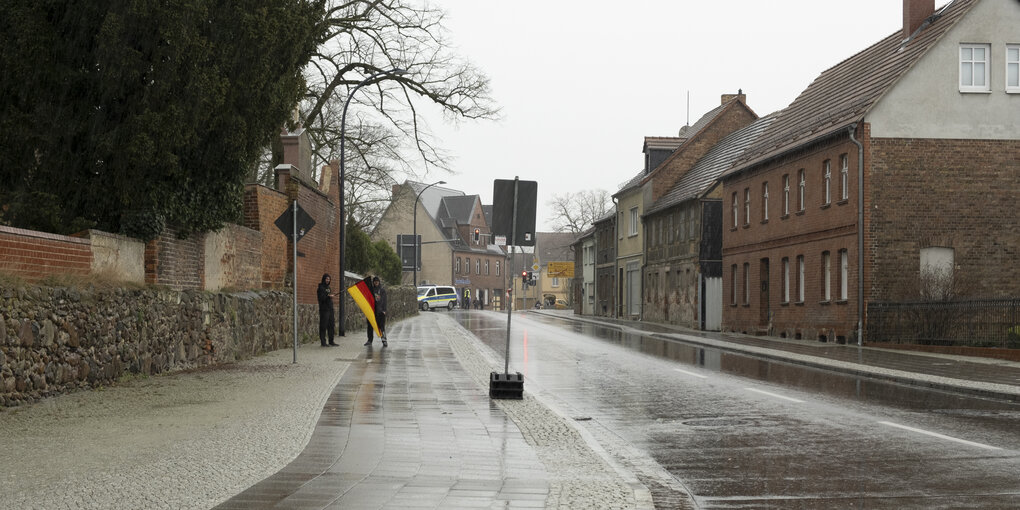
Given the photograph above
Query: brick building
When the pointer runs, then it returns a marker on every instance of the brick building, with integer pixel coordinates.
(898, 163)
(683, 249)
(451, 253)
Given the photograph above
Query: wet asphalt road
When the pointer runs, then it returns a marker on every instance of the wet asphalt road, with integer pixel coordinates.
(738, 432)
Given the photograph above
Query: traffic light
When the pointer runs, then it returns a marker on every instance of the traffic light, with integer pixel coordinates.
(531, 276)
(477, 233)
(524, 276)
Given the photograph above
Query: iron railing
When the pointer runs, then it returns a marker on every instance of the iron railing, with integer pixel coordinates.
(974, 323)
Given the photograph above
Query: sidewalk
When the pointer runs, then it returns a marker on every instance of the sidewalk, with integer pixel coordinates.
(984, 377)
(407, 426)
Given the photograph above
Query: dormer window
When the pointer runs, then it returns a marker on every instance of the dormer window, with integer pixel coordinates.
(974, 68)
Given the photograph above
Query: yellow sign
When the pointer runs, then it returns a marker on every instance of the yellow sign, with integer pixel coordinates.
(561, 269)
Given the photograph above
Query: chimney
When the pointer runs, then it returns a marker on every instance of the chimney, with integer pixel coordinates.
(914, 13)
(739, 95)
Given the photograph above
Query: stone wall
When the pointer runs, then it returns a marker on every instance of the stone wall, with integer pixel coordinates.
(54, 340)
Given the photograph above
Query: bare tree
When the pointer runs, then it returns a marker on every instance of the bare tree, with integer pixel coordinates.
(386, 133)
(575, 212)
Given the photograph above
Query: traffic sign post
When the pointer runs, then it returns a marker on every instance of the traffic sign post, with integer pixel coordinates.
(295, 223)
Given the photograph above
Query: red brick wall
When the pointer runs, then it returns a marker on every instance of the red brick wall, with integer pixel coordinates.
(176, 263)
(671, 170)
(318, 250)
(817, 229)
(34, 255)
(960, 194)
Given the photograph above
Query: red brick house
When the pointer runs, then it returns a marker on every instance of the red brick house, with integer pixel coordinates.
(898, 162)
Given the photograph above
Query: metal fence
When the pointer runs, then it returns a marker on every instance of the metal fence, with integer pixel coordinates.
(976, 323)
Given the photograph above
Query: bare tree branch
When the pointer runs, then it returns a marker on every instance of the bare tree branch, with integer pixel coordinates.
(576, 212)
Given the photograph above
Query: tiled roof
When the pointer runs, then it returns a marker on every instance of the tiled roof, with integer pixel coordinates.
(663, 142)
(554, 246)
(843, 94)
(632, 183)
(459, 207)
(431, 198)
(719, 159)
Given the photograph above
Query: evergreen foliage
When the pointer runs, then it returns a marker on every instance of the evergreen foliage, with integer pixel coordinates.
(135, 116)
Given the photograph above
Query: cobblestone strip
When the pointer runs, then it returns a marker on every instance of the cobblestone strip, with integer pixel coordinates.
(580, 477)
(179, 441)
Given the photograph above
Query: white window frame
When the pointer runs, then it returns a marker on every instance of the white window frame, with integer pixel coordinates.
(747, 283)
(736, 213)
(633, 222)
(497, 268)
(801, 190)
(765, 201)
(747, 206)
(968, 68)
(800, 278)
(826, 276)
(486, 267)
(844, 177)
(555, 282)
(458, 266)
(786, 194)
(1013, 65)
(786, 279)
(827, 176)
(478, 266)
(844, 273)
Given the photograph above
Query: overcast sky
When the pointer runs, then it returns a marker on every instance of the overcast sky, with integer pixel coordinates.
(581, 83)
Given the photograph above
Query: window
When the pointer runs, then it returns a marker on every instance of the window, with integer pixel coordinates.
(497, 268)
(458, 266)
(974, 68)
(747, 283)
(826, 276)
(800, 189)
(826, 180)
(937, 267)
(681, 234)
(633, 221)
(765, 201)
(1013, 68)
(786, 279)
(467, 266)
(487, 266)
(555, 282)
(786, 194)
(844, 182)
(747, 206)
(734, 209)
(478, 266)
(844, 270)
(800, 278)
(733, 284)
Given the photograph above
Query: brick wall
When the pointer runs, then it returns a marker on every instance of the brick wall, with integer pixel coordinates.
(960, 194)
(262, 206)
(176, 263)
(233, 258)
(33, 255)
(819, 228)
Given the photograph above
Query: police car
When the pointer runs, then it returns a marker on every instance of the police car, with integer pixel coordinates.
(436, 296)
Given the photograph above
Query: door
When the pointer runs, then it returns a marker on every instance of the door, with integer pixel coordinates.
(713, 303)
(764, 312)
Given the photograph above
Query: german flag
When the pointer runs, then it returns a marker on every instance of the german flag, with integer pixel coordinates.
(362, 294)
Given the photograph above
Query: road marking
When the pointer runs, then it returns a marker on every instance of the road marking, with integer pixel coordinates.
(940, 436)
(774, 395)
(691, 373)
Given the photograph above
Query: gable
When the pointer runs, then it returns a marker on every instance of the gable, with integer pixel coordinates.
(927, 102)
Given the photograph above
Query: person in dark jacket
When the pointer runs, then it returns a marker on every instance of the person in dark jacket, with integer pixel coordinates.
(379, 293)
(326, 317)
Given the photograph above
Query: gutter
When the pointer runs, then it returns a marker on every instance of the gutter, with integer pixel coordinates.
(860, 234)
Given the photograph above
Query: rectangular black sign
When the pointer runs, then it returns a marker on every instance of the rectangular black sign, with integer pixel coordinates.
(503, 211)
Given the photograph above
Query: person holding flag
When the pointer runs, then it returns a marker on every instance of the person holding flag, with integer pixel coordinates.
(370, 296)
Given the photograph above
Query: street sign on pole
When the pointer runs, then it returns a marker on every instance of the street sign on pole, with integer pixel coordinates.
(287, 224)
(295, 223)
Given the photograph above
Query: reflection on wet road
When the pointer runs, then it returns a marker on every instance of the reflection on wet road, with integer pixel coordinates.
(742, 432)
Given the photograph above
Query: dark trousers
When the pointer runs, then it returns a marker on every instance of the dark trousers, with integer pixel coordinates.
(380, 319)
(326, 326)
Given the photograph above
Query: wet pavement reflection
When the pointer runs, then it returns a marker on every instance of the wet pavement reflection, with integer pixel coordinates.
(740, 431)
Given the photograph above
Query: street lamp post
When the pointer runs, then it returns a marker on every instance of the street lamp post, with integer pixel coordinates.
(343, 203)
(414, 235)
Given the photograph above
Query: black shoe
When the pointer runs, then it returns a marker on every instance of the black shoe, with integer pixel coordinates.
(334, 345)
(324, 345)
(367, 343)
(384, 344)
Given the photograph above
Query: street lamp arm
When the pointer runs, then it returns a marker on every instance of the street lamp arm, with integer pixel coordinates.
(342, 195)
(414, 234)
